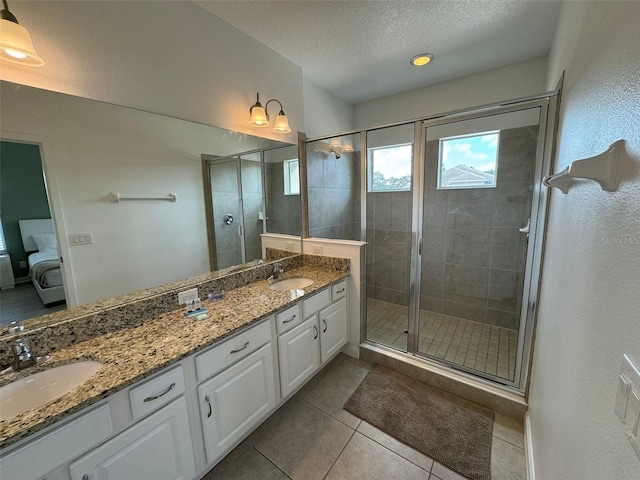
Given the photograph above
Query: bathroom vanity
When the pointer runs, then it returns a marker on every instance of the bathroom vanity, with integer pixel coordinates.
(175, 395)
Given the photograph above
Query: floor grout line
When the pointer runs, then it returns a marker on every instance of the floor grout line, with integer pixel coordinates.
(339, 455)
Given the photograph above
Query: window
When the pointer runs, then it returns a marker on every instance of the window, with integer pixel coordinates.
(3, 245)
(291, 177)
(469, 161)
(389, 168)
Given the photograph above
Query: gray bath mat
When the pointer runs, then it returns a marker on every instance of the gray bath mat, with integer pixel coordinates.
(447, 428)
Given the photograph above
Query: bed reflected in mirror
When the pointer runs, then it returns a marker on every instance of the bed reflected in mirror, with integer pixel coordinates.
(32, 282)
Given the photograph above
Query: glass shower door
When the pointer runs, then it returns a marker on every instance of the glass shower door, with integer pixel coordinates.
(252, 205)
(388, 212)
(479, 176)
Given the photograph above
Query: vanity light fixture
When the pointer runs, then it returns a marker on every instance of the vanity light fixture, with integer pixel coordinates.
(15, 42)
(260, 116)
(421, 59)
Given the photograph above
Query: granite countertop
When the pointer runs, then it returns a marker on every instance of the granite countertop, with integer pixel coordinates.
(132, 354)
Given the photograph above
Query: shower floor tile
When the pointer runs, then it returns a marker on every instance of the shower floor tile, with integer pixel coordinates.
(479, 346)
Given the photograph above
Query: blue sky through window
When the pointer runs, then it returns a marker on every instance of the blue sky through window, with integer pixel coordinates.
(479, 152)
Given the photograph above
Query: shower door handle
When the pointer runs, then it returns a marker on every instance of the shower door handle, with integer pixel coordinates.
(525, 229)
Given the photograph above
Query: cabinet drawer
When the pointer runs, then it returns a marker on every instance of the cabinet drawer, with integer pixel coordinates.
(288, 318)
(316, 303)
(156, 392)
(221, 356)
(58, 446)
(338, 290)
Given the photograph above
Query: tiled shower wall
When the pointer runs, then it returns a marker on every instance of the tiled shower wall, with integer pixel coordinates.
(389, 246)
(283, 211)
(473, 255)
(334, 195)
(252, 205)
(224, 190)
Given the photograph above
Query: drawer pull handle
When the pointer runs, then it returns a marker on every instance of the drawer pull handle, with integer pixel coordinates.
(325, 325)
(290, 320)
(316, 329)
(206, 397)
(155, 397)
(240, 349)
(340, 291)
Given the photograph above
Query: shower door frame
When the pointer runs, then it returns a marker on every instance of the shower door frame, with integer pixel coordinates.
(548, 104)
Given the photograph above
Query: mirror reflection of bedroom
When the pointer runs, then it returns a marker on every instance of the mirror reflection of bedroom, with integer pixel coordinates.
(31, 278)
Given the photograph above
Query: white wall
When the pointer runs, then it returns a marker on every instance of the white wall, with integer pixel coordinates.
(506, 83)
(589, 308)
(169, 57)
(325, 114)
(91, 149)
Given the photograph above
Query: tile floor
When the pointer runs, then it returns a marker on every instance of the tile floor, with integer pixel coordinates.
(311, 438)
(481, 347)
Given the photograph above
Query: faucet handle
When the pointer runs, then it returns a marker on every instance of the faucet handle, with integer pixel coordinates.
(21, 347)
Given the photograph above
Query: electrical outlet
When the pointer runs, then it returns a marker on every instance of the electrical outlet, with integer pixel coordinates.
(288, 245)
(23, 264)
(317, 249)
(187, 296)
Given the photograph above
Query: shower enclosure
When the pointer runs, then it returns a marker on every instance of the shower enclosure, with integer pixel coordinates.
(247, 195)
(453, 215)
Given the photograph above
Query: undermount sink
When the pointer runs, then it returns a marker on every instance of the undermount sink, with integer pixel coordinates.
(291, 284)
(30, 392)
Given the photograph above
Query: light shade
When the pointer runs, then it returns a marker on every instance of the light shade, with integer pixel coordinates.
(16, 45)
(281, 124)
(258, 117)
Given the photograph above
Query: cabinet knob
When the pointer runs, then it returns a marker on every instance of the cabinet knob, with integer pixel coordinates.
(325, 325)
(316, 329)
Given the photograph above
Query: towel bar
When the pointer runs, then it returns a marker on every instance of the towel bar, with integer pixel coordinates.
(116, 198)
(602, 168)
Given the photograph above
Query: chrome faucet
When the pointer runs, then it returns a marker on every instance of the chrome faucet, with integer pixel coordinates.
(277, 270)
(23, 357)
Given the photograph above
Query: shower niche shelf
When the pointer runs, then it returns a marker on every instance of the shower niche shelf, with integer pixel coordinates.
(602, 168)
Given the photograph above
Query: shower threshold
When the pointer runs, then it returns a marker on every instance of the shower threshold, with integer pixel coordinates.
(475, 345)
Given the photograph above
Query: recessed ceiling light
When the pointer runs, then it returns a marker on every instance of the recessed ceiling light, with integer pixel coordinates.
(421, 59)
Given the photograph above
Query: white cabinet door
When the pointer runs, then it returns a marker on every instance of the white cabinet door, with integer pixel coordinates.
(158, 448)
(234, 401)
(298, 355)
(333, 329)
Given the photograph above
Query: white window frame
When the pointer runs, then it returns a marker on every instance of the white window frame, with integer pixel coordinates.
(370, 152)
(288, 173)
(458, 137)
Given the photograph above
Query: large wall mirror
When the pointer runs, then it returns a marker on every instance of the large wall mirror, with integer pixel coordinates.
(69, 159)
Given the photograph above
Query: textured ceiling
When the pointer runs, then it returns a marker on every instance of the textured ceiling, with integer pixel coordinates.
(360, 50)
